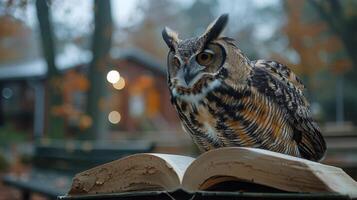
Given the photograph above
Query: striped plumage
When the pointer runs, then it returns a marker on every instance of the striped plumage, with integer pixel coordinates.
(229, 100)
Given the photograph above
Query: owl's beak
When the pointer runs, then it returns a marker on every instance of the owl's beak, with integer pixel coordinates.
(189, 74)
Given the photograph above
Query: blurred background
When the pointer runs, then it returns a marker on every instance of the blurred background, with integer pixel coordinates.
(84, 76)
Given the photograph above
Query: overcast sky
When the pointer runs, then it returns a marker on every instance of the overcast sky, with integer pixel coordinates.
(123, 11)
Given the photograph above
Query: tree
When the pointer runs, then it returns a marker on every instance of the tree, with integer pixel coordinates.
(342, 20)
(18, 35)
(101, 44)
(55, 122)
(341, 17)
(321, 53)
(316, 47)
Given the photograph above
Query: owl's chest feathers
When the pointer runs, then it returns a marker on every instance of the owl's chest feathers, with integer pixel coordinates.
(199, 122)
(193, 109)
(203, 113)
(231, 116)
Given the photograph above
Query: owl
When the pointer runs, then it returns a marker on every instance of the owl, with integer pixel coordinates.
(223, 99)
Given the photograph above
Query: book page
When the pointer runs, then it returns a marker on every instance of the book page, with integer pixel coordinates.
(266, 168)
(177, 162)
(139, 172)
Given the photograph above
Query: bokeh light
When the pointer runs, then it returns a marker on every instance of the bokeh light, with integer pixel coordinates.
(113, 76)
(7, 93)
(114, 117)
(120, 84)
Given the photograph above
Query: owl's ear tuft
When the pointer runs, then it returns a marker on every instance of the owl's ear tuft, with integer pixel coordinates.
(215, 28)
(170, 37)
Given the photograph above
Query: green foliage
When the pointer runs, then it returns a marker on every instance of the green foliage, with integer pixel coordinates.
(4, 165)
(26, 159)
(9, 135)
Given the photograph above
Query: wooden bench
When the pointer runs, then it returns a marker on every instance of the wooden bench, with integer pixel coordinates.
(341, 152)
(54, 164)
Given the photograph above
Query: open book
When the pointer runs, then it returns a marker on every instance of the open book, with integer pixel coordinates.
(256, 168)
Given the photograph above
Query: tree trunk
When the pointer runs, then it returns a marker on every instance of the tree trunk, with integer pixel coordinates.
(101, 44)
(54, 123)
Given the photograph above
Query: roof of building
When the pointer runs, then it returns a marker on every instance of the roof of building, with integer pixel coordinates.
(73, 57)
(140, 57)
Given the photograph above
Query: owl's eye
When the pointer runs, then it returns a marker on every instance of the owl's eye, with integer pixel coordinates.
(176, 62)
(205, 57)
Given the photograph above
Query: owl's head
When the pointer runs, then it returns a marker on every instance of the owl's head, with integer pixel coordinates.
(195, 61)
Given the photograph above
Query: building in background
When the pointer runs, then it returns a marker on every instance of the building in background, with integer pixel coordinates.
(142, 97)
(138, 102)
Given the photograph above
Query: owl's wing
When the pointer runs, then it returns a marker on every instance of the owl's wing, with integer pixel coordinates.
(281, 85)
(281, 72)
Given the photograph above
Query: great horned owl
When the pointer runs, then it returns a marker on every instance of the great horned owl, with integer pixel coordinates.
(223, 99)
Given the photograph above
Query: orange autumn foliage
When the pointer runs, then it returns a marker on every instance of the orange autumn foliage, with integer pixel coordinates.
(71, 82)
(317, 48)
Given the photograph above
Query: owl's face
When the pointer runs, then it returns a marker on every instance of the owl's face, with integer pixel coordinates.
(195, 61)
(188, 64)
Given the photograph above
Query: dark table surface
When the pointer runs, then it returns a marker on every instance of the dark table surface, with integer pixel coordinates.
(204, 195)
